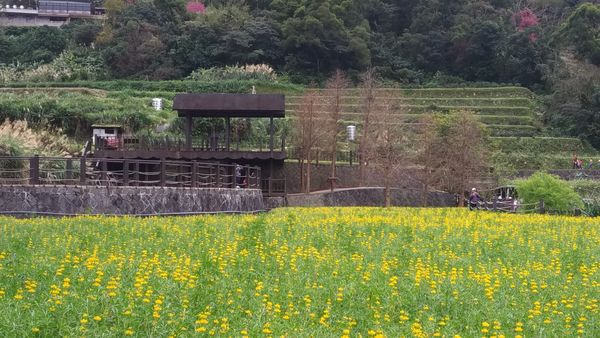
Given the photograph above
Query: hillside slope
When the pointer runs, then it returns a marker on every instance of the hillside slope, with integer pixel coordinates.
(510, 113)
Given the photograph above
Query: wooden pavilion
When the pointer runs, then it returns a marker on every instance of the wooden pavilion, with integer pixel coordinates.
(214, 147)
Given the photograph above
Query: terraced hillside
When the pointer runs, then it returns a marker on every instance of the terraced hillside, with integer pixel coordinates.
(510, 113)
(507, 111)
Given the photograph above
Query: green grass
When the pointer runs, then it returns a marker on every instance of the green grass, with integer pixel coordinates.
(564, 146)
(302, 273)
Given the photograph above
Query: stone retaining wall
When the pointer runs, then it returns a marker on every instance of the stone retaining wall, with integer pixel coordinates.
(369, 197)
(348, 177)
(127, 200)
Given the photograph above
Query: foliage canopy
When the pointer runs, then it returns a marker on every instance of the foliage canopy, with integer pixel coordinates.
(557, 194)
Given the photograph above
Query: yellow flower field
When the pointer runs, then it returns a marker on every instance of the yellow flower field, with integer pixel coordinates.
(346, 272)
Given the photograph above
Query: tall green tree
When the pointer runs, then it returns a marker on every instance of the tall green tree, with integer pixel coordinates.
(582, 31)
(320, 38)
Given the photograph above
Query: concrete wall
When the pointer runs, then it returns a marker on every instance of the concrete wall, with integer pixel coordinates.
(127, 200)
(29, 21)
(370, 197)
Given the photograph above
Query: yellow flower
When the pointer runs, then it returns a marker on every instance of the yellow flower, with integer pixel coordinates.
(97, 318)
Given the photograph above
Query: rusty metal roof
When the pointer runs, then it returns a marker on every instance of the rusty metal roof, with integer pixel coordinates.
(230, 105)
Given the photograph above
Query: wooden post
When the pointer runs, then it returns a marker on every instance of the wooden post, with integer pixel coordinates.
(69, 171)
(188, 131)
(34, 170)
(218, 176)
(271, 133)
(103, 174)
(247, 176)
(82, 171)
(350, 158)
(270, 185)
(125, 172)
(163, 176)
(234, 175)
(136, 174)
(542, 207)
(258, 178)
(228, 133)
(194, 173)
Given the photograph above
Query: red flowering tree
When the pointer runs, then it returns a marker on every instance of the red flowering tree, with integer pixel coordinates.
(526, 18)
(195, 7)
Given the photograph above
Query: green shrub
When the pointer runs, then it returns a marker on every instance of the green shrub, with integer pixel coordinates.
(592, 207)
(248, 72)
(587, 189)
(74, 113)
(557, 194)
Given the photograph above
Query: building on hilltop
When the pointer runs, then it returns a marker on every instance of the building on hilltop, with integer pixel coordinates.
(49, 13)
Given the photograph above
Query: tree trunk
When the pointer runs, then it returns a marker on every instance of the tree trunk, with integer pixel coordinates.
(424, 194)
(308, 173)
(302, 178)
(388, 197)
(387, 192)
(333, 173)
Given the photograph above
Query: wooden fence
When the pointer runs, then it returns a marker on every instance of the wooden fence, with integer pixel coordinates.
(37, 170)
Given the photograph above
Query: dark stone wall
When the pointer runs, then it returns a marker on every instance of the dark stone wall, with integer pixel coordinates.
(274, 202)
(370, 197)
(127, 200)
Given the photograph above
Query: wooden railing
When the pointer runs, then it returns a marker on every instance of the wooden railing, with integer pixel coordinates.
(214, 143)
(37, 170)
(274, 187)
(318, 155)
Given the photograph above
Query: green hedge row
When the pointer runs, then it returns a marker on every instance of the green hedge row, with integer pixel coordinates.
(539, 161)
(471, 92)
(502, 111)
(501, 91)
(234, 86)
(433, 103)
(550, 145)
(512, 130)
(476, 101)
(171, 86)
(507, 120)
